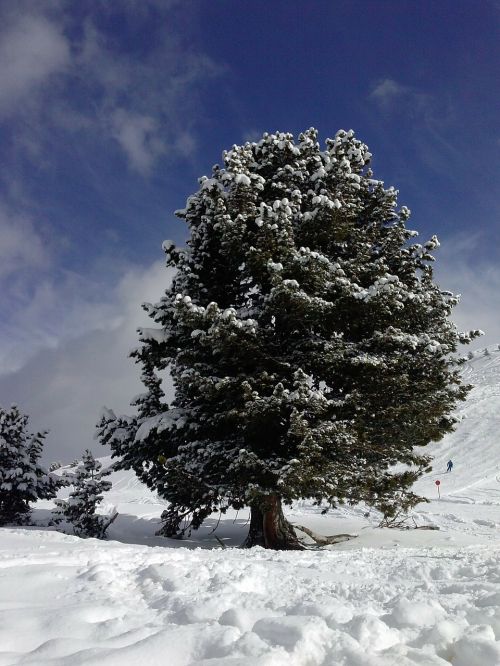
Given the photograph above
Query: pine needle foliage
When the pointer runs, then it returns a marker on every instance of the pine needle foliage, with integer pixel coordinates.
(22, 479)
(311, 350)
(80, 508)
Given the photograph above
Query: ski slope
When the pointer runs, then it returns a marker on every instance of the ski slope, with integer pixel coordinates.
(475, 445)
(386, 598)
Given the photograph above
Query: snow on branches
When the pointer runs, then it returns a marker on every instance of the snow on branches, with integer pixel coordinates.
(309, 347)
(22, 479)
(80, 508)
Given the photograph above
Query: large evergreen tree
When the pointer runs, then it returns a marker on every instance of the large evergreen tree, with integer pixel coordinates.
(22, 478)
(310, 349)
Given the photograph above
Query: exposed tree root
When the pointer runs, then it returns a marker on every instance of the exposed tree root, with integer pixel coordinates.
(322, 540)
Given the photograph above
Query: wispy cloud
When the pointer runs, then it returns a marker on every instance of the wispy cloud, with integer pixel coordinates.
(389, 95)
(140, 138)
(65, 387)
(26, 259)
(70, 93)
(59, 73)
(387, 91)
(431, 126)
(458, 270)
(33, 50)
(21, 248)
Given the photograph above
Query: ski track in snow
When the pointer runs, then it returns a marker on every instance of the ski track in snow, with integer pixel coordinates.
(387, 598)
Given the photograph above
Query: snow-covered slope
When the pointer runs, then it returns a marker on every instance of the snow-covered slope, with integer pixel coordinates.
(387, 598)
(474, 447)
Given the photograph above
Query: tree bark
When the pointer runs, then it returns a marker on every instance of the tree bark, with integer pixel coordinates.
(269, 528)
(255, 536)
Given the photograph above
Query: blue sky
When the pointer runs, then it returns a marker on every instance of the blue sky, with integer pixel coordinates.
(110, 111)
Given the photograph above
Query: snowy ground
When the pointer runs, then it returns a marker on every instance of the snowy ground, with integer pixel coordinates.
(387, 598)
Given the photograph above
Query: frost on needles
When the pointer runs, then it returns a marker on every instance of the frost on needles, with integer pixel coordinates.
(22, 479)
(310, 349)
(80, 508)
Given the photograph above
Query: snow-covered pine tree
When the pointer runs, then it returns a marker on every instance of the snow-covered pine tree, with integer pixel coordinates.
(309, 347)
(22, 479)
(80, 508)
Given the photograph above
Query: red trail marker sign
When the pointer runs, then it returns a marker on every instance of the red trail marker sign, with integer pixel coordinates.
(438, 483)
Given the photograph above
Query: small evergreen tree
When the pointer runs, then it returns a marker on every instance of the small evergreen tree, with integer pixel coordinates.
(310, 349)
(80, 508)
(22, 479)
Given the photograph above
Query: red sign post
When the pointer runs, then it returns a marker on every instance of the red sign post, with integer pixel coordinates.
(438, 483)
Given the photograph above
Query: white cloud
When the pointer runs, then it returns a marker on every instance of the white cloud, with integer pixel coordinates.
(63, 74)
(41, 305)
(76, 93)
(430, 125)
(25, 261)
(64, 388)
(101, 67)
(386, 91)
(32, 50)
(42, 310)
(389, 95)
(21, 245)
(45, 311)
(458, 270)
(139, 136)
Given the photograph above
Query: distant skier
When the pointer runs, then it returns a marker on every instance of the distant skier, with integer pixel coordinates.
(449, 467)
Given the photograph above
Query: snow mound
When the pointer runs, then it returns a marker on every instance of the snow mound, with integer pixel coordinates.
(70, 601)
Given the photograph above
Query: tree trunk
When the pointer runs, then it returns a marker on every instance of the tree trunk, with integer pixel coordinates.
(269, 528)
(255, 536)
